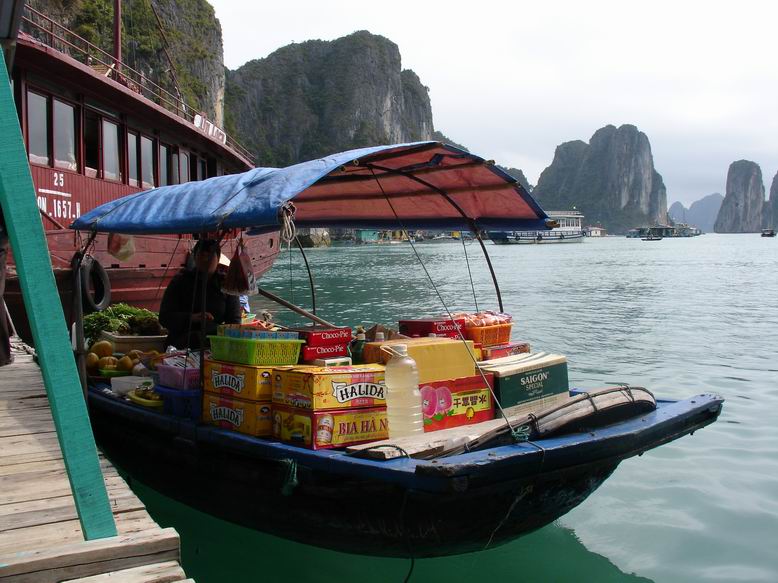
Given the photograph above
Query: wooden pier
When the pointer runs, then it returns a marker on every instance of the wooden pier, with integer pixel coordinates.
(40, 535)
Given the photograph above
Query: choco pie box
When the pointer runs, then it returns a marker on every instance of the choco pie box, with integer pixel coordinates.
(330, 388)
(438, 326)
(323, 342)
(456, 402)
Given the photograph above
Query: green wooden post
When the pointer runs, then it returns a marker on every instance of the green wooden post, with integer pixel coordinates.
(41, 300)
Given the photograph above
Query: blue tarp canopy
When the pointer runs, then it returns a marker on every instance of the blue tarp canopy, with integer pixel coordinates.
(422, 185)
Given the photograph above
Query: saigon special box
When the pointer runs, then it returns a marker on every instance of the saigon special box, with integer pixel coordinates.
(253, 383)
(250, 417)
(311, 353)
(526, 377)
(456, 402)
(323, 336)
(331, 387)
(426, 326)
(437, 359)
(329, 429)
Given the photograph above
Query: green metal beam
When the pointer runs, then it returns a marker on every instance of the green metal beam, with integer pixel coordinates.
(44, 311)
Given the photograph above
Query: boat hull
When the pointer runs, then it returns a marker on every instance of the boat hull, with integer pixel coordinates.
(398, 508)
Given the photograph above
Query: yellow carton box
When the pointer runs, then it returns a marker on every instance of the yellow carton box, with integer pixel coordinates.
(328, 429)
(329, 388)
(438, 359)
(249, 417)
(252, 383)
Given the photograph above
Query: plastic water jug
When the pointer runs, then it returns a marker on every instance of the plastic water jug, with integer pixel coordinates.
(403, 399)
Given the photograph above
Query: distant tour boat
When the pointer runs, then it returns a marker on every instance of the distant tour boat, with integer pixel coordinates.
(569, 230)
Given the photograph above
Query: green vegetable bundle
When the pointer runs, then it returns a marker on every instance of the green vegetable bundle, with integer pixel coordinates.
(121, 319)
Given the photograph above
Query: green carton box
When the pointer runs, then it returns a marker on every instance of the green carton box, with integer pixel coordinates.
(524, 378)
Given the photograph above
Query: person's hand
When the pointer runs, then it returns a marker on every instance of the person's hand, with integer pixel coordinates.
(198, 316)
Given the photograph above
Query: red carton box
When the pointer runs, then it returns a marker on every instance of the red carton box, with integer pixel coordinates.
(323, 336)
(439, 326)
(456, 402)
(311, 353)
(329, 429)
(503, 350)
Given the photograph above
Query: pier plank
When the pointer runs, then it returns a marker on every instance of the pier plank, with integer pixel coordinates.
(160, 573)
(41, 538)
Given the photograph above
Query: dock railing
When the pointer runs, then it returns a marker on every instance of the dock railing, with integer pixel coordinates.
(53, 34)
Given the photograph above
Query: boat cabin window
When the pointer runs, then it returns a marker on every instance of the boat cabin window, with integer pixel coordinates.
(111, 151)
(174, 168)
(91, 143)
(184, 159)
(164, 165)
(148, 162)
(65, 136)
(133, 161)
(38, 128)
(202, 173)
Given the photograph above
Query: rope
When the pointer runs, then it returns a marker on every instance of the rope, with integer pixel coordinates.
(287, 234)
(470, 273)
(511, 429)
(289, 481)
(164, 274)
(397, 447)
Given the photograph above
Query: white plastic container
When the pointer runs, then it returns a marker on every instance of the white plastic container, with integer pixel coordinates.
(123, 385)
(403, 399)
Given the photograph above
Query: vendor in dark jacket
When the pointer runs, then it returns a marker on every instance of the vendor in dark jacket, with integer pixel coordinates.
(181, 302)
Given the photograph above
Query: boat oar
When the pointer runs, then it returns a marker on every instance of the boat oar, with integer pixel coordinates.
(295, 309)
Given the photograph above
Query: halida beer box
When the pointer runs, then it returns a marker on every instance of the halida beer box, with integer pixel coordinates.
(328, 429)
(457, 402)
(253, 383)
(437, 326)
(330, 388)
(249, 417)
(539, 378)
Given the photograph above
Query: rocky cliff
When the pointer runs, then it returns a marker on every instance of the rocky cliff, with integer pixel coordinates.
(770, 218)
(189, 26)
(318, 97)
(742, 209)
(611, 180)
(701, 213)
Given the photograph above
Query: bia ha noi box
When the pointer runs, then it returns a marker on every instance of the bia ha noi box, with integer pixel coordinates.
(249, 417)
(330, 388)
(532, 381)
(329, 429)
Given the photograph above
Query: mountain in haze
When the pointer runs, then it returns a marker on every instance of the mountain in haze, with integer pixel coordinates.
(314, 98)
(702, 213)
(611, 180)
(770, 210)
(743, 207)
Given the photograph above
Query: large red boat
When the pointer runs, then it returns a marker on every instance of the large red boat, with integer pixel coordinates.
(96, 130)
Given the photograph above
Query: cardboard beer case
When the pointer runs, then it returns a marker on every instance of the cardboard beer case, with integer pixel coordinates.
(249, 417)
(524, 378)
(330, 388)
(456, 402)
(437, 359)
(329, 429)
(252, 383)
(503, 350)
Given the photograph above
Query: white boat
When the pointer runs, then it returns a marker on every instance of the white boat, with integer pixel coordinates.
(569, 230)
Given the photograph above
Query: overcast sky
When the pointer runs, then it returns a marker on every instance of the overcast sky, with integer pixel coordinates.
(511, 81)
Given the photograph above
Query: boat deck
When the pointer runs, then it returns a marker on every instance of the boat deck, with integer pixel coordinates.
(40, 535)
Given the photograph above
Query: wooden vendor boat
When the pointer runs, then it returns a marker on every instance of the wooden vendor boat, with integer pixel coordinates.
(454, 491)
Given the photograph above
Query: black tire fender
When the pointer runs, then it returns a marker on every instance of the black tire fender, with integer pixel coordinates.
(94, 273)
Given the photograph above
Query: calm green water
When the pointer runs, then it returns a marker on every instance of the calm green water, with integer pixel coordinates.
(677, 316)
